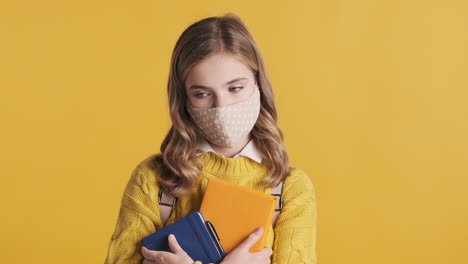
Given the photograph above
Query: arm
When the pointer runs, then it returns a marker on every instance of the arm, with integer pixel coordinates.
(138, 217)
(295, 229)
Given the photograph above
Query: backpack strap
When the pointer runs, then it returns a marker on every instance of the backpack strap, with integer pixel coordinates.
(277, 191)
(167, 201)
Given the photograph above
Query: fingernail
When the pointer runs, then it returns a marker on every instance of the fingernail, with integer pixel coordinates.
(259, 230)
(171, 236)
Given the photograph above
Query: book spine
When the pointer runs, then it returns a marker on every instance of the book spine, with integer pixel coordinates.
(202, 240)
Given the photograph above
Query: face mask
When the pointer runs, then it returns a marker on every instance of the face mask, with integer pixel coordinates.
(227, 125)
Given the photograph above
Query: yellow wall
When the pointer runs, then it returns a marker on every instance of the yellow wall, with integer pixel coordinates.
(372, 98)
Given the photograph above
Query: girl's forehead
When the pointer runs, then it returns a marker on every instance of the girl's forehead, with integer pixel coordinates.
(217, 70)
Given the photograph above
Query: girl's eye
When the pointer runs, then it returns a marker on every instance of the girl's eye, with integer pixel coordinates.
(198, 94)
(240, 87)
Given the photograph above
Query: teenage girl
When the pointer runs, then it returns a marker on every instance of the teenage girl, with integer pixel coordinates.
(224, 125)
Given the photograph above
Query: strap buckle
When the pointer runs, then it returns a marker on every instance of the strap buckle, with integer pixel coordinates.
(166, 204)
(280, 201)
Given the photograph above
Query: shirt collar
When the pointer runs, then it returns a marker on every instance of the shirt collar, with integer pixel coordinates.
(249, 150)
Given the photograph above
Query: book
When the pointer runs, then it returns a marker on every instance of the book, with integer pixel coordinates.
(237, 211)
(196, 236)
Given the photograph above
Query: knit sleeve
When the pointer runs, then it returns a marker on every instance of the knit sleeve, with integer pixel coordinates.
(295, 229)
(138, 217)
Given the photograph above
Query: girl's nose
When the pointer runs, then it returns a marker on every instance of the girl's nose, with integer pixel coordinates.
(220, 101)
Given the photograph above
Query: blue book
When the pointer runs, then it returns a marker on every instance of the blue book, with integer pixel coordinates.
(197, 237)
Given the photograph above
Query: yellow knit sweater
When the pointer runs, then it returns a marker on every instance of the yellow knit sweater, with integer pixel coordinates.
(293, 239)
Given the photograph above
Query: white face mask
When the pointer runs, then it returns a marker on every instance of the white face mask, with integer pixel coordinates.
(227, 125)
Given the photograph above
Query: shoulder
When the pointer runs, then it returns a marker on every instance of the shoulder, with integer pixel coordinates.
(144, 176)
(148, 165)
(298, 177)
(298, 183)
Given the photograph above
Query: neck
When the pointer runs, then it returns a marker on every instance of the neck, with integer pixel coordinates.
(234, 170)
(231, 151)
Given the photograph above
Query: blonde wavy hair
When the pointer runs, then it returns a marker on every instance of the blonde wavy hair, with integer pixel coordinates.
(176, 165)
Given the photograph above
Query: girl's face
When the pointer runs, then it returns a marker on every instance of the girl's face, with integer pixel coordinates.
(219, 80)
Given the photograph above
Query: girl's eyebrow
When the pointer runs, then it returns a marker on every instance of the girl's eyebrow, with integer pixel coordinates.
(195, 86)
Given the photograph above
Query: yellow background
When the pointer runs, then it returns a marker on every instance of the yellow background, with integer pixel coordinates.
(372, 98)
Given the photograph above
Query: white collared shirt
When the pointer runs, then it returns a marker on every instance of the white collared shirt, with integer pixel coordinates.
(249, 150)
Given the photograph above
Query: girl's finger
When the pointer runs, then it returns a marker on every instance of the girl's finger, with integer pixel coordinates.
(247, 243)
(174, 245)
(147, 261)
(149, 254)
(265, 253)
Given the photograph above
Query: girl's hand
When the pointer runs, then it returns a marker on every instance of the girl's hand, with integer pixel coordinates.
(163, 257)
(241, 254)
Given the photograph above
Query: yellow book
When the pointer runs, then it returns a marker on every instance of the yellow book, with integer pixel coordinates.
(236, 211)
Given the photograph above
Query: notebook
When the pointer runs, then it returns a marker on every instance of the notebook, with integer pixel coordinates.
(237, 211)
(195, 236)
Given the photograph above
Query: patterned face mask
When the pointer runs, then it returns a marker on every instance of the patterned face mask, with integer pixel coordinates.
(227, 125)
